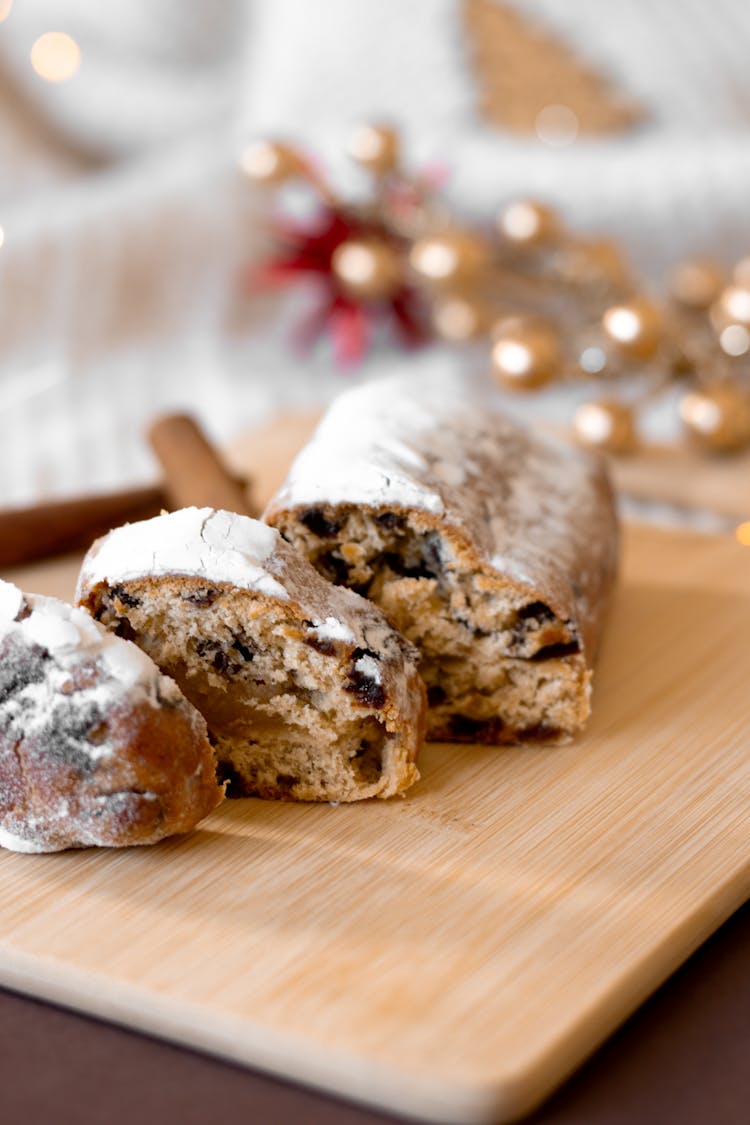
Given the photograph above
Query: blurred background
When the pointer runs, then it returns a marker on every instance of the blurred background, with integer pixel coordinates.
(128, 228)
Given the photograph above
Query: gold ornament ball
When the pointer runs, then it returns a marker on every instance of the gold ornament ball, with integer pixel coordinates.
(696, 283)
(458, 319)
(448, 259)
(367, 269)
(529, 223)
(270, 162)
(734, 340)
(605, 425)
(717, 418)
(635, 327)
(526, 353)
(732, 306)
(375, 147)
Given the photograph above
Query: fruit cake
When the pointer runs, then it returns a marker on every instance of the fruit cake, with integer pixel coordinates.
(491, 547)
(308, 692)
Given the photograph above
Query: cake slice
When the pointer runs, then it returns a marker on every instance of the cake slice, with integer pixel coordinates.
(308, 692)
(492, 548)
(96, 745)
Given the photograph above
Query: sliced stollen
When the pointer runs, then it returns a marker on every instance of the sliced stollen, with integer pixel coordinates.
(308, 692)
(97, 747)
(492, 548)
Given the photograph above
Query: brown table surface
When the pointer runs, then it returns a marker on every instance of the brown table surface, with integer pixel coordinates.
(684, 1058)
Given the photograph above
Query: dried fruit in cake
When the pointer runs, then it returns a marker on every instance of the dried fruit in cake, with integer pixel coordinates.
(308, 692)
(492, 548)
(97, 747)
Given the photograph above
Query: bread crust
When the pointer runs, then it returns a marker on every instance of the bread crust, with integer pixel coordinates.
(96, 746)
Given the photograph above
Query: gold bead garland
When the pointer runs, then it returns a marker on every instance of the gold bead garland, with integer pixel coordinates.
(458, 318)
(556, 306)
(634, 327)
(449, 259)
(367, 268)
(717, 418)
(526, 353)
(270, 162)
(605, 425)
(528, 223)
(375, 147)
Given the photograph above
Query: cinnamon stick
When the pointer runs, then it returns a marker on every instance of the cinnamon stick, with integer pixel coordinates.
(56, 527)
(194, 474)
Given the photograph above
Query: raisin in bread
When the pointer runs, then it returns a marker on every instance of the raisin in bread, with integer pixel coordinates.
(492, 548)
(308, 692)
(96, 745)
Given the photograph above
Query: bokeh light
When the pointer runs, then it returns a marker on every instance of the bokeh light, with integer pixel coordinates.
(55, 56)
(743, 534)
(556, 125)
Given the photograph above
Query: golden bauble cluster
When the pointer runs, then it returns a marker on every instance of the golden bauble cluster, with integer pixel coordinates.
(449, 259)
(367, 268)
(717, 418)
(375, 147)
(634, 327)
(271, 162)
(526, 353)
(606, 425)
(570, 307)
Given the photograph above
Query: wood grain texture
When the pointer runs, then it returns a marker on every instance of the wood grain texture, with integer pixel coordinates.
(455, 954)
(688, 478)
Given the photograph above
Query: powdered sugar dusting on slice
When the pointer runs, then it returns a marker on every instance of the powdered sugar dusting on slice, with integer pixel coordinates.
(11, 602)
(52, 631)
(192, 541)
(332, 629)
(16, 843)
(357, 454)
(70, 637)
(369, 667)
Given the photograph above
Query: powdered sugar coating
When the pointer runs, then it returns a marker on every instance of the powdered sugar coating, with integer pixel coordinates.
(71, 637)
(231, 548)
(532, 509)
(11, 601)
(16, 843)
(332, 630)
(364, 452)
(369, 667)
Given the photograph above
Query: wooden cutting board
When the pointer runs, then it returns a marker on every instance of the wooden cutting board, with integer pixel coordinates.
(455, 954)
